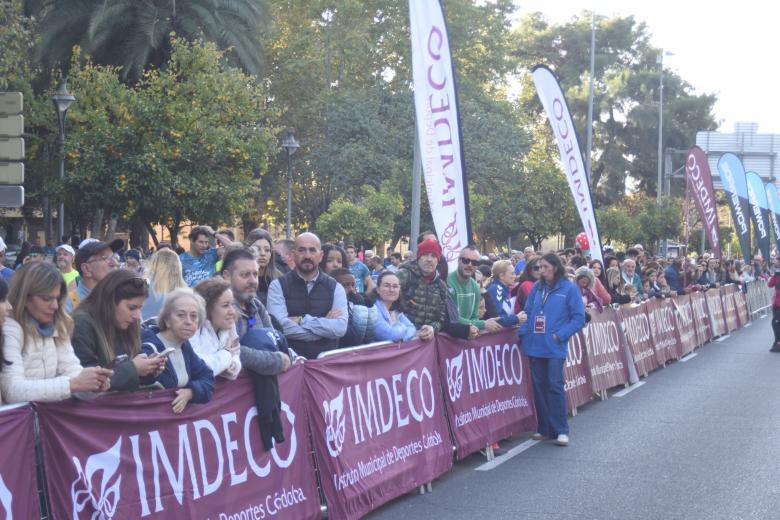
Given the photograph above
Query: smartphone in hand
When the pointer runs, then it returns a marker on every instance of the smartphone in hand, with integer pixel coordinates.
(121, 358)
(165, 353)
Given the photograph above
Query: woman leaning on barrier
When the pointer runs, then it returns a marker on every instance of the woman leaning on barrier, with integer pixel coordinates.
(553, 313)
(107, 330)
(775, 282)
(39, 361)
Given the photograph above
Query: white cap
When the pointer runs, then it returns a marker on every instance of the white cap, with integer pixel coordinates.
(67, 248)
(639, 246)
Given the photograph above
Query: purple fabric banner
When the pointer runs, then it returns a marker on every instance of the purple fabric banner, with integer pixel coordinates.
(660, 313)
(128, 456)
(716, 312)
(605, 345)
(576, 373)
(686, 329)
(377, 423)
(18, 485)
(701, 317)
(699, 178)
(488, 389)
(727, 295)
(637, 329)
(743, 313)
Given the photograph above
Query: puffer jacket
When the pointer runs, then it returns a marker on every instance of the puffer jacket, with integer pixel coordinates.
(425, 303)
(39, 370)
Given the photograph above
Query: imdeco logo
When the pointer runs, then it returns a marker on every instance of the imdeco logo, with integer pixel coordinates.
(455, 376)
(95, 492)
(336, 429)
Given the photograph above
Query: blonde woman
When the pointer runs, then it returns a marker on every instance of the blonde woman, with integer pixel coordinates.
(164, 273)
(503, 277)
(41, 364)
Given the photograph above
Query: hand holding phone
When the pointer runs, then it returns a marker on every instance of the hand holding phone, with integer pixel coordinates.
(165, 353)
(121, 358)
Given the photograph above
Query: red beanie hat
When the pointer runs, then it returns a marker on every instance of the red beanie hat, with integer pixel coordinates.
(428, 246)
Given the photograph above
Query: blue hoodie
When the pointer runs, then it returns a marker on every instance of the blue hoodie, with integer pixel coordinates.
(201, 377)
(564, 316)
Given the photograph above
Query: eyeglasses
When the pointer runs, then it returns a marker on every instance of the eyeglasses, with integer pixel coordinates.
(468, 261)
(104, 258)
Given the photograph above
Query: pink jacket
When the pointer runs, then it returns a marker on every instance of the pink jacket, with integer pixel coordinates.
(602, 293)
(775, 282)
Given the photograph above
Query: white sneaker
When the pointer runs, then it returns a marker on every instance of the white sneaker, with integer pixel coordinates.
(562, 440)
(538, 437)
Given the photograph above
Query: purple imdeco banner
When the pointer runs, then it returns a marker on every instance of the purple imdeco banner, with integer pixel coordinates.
(488, 389)
(660, 313)
(128, 456)
(686, 329)
(605, 345)
(576, 373)
(727, 296)
(699, 178)
(377, 424)
(717, 322)
(743, 313)
(18, 488)
(637, 329)
(701, 317)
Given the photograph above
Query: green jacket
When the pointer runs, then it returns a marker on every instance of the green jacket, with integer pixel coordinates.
(467, 297)
(425, 303)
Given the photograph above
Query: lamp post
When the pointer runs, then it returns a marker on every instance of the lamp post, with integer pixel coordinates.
(62, 100)
(289, 144)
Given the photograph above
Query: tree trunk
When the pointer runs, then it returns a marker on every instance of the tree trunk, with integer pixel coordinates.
(97, 224)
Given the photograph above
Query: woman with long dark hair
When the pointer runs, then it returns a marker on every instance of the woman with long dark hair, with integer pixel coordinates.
(553, 313)
(261, 241)
(600, 282)
(107, 330)
(333, 257)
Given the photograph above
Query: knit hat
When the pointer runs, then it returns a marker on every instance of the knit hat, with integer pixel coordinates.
(133, 253)
(428, 246)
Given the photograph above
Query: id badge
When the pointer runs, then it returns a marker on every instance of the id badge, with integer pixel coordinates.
(539, 324)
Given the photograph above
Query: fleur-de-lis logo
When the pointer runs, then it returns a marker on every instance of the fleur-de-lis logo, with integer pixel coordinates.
(336, 428)
(99, 501)
(6, 500)
(455, 376)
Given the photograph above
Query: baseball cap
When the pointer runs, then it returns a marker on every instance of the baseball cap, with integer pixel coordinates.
(89, 247)
(66, 248)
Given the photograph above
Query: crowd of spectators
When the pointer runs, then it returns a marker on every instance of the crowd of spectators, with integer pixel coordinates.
(89, 320)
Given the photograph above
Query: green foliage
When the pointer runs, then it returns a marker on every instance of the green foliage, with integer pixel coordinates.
(368, 221)
(639, 219)
(135, 35)
(187, 143)
(16, 41)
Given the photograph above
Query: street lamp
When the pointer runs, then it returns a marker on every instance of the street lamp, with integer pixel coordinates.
(62, 100)
(289, 144)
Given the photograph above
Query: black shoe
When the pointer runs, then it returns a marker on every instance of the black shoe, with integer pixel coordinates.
(775, 348)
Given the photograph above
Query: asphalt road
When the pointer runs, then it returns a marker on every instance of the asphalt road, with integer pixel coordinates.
(699, 440)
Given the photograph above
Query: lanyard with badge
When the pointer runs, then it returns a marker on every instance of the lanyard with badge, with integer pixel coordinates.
(541, 319)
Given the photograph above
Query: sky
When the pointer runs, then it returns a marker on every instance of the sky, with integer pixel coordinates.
(730, 52)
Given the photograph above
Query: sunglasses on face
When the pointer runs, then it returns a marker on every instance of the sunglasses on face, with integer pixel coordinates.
(467, 261)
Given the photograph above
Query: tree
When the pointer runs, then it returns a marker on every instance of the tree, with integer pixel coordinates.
(135, 35)
(189, 142)
(625, 118)
(368, 221)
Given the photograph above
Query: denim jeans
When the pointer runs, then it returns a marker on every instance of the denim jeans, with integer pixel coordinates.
(549, 396)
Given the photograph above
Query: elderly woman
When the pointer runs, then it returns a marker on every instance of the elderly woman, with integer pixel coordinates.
(40, 362)
(182, 315)
(553, 313)
(586, 282)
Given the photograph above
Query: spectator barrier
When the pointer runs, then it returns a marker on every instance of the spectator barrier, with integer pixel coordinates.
(759, 297)
(381, 422)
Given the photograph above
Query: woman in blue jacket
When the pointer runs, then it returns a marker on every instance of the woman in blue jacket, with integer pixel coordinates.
(553, 313)
(180, 318)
